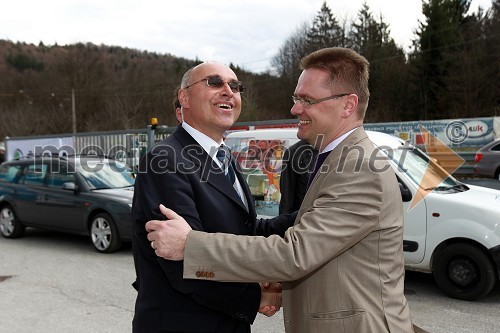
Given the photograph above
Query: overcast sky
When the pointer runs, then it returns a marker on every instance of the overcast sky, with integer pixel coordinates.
(245, 32)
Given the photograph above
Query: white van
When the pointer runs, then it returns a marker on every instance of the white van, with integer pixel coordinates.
(453, 232)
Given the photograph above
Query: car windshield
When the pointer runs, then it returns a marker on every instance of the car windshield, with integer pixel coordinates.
(424, 172)
(105, 175)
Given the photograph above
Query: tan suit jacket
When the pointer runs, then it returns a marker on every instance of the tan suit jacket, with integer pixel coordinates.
(342, 262)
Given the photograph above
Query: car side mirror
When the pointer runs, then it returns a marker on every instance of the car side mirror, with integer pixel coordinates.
(70, 186)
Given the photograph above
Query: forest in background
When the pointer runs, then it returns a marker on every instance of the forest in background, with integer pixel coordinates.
(452, 71)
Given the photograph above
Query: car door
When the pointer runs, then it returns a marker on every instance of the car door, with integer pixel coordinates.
(61, 205)
(29, 192)
(410, 166)
(415, 222)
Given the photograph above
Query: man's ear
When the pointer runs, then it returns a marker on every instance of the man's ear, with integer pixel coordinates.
(183, 98)
(350, 105)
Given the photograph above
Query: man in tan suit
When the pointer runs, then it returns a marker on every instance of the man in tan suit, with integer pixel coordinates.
(341, 264)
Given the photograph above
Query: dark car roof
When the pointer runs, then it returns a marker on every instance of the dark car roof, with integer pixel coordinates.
(489, 145)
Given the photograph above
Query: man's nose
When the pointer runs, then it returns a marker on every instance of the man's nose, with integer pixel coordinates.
(226, 89)
(297, 109)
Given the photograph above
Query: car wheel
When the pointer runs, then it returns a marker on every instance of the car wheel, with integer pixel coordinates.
(464, 272)
(10, 227)
(104, 233)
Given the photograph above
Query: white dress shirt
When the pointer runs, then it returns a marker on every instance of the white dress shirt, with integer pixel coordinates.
(211, 147)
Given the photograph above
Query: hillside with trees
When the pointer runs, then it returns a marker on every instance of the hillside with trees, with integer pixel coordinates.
(452, 71)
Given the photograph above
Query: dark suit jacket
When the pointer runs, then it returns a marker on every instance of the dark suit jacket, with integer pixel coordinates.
(181, 175)
(298, 159)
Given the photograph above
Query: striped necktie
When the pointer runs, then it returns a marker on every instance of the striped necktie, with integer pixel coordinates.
(224, 157)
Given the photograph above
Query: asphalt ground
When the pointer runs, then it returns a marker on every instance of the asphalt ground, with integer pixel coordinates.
(52, 282)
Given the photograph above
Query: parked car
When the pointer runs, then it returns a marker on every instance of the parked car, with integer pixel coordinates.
(487, 161)
(453, 231)
(80, 195)
(2, 152)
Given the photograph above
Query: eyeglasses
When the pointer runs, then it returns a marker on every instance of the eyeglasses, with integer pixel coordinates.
(306, 102)
(215, 81)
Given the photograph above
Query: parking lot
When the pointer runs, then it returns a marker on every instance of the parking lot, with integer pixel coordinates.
(51, 282)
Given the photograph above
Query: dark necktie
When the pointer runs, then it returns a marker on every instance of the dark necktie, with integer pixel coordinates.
(224, 157)
(319, 161)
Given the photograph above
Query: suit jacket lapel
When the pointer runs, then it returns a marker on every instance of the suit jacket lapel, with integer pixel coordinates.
(332, 162)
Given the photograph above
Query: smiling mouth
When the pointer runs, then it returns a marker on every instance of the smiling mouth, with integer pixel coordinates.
(224, 106)
(304, 122)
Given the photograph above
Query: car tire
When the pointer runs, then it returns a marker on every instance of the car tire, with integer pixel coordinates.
(464, 272)
(104, 233)
(10, 227)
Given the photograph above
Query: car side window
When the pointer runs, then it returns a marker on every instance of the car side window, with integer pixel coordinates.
(34, 174)
(496, 148)
(60, 175)
(9, 173)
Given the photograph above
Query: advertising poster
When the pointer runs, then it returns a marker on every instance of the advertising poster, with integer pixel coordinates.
(458, 134)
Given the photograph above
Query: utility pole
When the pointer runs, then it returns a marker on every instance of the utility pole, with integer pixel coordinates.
(73, 110)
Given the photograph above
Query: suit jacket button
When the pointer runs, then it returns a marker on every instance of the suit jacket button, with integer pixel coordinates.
(211, 275)
(198, 274)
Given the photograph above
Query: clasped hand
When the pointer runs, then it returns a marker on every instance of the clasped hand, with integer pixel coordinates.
(270, 299)
(168, 237)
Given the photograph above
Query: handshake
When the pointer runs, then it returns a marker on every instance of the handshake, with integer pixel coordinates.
(270, 299)
(168, 239)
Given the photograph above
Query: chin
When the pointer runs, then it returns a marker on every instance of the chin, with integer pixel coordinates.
(301, 135)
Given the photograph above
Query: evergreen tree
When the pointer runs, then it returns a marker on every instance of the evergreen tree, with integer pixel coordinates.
(437, 48)
(491, 45)
(325, 31)
(388, 69)
(367, 35)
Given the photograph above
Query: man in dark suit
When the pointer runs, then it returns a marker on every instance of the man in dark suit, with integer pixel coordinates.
(297, 161)
(183, 172)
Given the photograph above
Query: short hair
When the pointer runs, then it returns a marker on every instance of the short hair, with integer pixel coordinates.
(186, 77)
(347, 69)
(175, 98)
